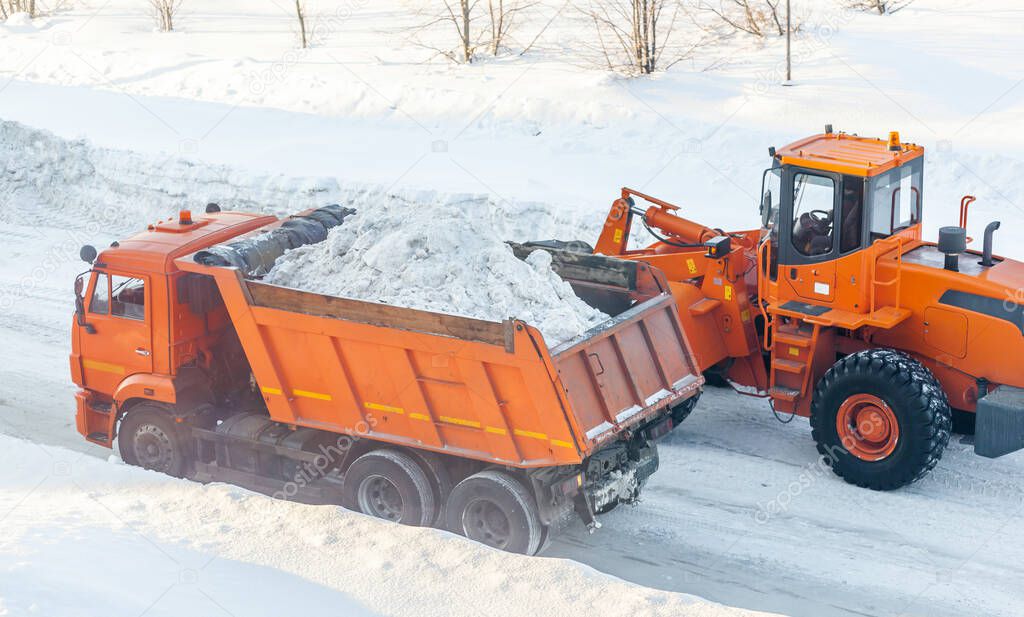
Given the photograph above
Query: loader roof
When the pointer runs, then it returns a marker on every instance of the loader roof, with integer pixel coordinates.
(848, 154)
(154, 249)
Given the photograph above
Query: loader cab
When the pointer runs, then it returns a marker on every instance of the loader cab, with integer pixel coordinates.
(828, 198)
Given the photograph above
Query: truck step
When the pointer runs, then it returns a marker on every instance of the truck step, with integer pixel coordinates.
(100, 407)
(97, 438)
(789, 366)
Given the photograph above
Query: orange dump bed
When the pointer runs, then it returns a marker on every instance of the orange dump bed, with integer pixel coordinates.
(485, 390)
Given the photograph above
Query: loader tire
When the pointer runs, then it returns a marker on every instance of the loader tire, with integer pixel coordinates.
(494, 508)
(391, 485)
(880, 419)
(150, 438)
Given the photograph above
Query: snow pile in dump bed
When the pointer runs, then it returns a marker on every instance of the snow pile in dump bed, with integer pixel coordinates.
(81, 532)
(447, 259)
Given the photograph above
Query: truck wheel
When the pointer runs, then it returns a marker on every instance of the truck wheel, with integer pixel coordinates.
(391, 485)
(880, 418)
(683, 410)
(494, 508)
(148, 437)
(440, 481)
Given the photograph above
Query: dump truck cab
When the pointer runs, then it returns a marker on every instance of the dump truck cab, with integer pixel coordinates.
(138, 326)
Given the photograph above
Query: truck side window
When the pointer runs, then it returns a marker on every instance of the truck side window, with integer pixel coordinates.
(100, 302)
(128, 297)
(813, 213)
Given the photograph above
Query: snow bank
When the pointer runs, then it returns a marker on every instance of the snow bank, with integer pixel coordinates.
(445, 258)
(81, 532)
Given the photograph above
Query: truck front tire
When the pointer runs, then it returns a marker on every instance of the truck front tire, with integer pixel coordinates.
(391, 485)
(880, 419)
(494, 508)
(149, 438)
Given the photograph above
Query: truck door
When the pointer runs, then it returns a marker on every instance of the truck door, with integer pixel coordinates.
(809, 242)
(119, 340)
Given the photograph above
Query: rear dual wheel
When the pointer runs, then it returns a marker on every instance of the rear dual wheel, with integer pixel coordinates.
(880, 419)
(491, 507)
(391, 485)
(494, 508)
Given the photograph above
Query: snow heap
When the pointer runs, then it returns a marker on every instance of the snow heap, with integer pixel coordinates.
(440, 258)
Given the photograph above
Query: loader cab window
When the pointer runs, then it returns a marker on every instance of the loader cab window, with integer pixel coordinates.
(813, 214)
(896, 199)
(853, 214)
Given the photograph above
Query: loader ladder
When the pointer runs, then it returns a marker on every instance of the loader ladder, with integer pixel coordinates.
(792, 362)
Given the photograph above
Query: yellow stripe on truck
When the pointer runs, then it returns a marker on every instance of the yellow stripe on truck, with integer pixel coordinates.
(459, 421)
(315, 395)
(523, 433)
(383, 407)
(269, 390)
(104, 367)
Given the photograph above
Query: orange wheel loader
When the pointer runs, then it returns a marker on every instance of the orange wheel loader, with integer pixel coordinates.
(201, 370)
(837, 309)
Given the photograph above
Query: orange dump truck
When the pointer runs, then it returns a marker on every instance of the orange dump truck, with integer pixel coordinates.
(201, 370)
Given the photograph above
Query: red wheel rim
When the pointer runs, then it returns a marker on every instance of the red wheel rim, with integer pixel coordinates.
(867, 427)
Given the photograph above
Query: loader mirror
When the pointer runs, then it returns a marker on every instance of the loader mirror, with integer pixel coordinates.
(79, 286)
(766, 208)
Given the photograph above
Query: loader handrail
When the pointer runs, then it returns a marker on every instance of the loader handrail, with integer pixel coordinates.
(764, 260)
(896, 279)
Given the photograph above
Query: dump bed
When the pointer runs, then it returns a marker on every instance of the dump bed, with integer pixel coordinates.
(486, 390)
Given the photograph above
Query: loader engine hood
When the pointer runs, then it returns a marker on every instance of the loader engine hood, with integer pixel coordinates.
(996, 290)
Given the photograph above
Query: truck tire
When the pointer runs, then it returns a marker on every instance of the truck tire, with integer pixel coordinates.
(149, 438)
(391, 485)
(494, 508)
(880, 419)
(440, 481)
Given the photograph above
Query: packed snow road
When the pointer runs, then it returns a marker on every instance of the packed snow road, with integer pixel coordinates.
(741, 512)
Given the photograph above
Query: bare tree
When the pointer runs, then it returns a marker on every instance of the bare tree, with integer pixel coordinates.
(300, 12)
(634, 35)
(883, 7)
(757, 17)
(502, 14)
(165, 11)
(10, 7)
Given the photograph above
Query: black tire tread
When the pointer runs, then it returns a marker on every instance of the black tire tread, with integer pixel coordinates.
(917, 384)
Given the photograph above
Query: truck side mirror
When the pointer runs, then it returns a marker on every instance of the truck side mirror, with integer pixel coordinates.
(80, 304)
(766, 208)
(88, 253)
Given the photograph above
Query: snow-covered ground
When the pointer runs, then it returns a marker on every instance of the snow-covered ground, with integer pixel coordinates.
(86, 537)
(227, 110)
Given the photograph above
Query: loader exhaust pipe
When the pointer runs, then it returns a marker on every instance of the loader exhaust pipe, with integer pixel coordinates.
(986, 253)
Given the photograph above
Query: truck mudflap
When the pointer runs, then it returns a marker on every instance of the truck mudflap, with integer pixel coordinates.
(999, 425)
(615, 475)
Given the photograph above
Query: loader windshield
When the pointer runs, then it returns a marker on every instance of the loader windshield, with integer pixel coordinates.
(896, 199)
